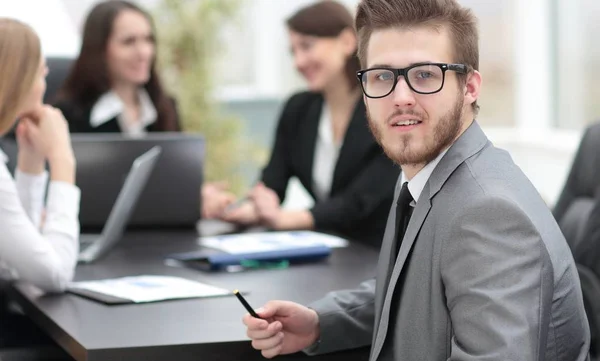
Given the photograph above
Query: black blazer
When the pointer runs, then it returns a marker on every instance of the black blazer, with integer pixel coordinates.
(78, 117)
(364, 177)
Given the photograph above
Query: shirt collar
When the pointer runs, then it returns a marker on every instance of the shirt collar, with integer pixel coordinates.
(417, 183)
(3, 157)
(109, 105)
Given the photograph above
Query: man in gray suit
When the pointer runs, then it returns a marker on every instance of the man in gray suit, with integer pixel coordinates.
(480, 270)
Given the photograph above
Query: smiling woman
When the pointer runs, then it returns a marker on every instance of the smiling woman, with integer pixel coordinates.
(322, 139)
(113, 85)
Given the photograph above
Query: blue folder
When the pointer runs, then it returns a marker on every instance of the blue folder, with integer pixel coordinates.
(208, 260)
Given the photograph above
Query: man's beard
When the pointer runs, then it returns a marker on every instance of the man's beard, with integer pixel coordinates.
(445, 132)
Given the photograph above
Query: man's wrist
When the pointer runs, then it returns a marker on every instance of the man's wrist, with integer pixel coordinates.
(316, 340)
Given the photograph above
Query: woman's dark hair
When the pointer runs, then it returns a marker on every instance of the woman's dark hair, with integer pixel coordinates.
(89, 77)
(327, 19)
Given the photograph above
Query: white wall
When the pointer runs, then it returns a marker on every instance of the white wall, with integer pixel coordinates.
(545, 155)
(51, 21)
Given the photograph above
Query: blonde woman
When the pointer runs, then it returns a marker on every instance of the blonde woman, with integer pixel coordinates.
(43, 253)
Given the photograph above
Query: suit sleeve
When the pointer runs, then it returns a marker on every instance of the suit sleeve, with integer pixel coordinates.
(372, 186)
(499, 284)
(346, 319)
(278, 172)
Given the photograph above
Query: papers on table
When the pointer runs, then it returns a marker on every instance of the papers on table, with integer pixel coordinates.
(270, 241)
(150, 288)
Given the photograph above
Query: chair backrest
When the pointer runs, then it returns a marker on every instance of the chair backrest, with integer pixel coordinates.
(59, 68)
(577, 198)
(576, 210)
(590, 286)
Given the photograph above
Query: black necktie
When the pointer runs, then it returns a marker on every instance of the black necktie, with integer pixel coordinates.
(403, 213)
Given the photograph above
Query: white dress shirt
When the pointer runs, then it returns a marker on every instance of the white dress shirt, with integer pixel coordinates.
(110, 105)
(44, 255)
(325, 158)
(417, 183)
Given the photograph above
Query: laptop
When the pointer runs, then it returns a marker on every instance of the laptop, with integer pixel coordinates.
(171, 198)
(94, 246)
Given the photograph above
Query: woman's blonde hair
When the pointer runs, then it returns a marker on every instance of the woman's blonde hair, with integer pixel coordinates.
(20, 56)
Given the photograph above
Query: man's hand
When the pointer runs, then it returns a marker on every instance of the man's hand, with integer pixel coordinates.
(285, 327)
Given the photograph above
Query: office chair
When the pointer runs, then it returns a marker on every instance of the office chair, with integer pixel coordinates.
(59, 68)
(578, 201)
(583, 184)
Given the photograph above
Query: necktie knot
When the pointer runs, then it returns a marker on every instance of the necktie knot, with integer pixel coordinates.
(405, 197)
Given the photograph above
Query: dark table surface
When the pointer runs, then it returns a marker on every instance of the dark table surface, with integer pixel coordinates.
(194, 329)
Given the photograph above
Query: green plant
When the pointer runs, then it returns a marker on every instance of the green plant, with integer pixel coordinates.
(188, 42)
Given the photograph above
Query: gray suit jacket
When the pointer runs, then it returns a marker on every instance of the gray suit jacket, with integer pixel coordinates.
(483, 273)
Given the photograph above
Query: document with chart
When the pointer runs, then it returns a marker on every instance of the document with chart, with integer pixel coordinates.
(148, 288)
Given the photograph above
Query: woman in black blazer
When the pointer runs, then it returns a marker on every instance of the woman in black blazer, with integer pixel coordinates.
(113, 85)
(323, 139)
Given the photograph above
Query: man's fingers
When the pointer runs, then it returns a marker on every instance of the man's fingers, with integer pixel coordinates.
(264, 333)
(268, 343)
(254, 323)
(273, 351)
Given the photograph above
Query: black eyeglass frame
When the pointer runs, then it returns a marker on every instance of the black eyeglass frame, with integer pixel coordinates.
(459, 68)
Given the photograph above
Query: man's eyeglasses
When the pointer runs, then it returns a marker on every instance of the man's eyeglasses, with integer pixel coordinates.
(425, 78)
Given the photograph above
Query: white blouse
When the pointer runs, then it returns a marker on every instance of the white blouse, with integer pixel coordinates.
(109, 105)
(43, 253)
(326, 156)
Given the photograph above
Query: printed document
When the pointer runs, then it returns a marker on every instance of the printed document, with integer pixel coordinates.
(151, 288)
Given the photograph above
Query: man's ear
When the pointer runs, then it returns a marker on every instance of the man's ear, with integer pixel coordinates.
(472, 87)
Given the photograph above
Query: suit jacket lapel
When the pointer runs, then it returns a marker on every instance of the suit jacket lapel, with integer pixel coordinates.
(468, 144)
(111, 126)
(308, 129)
(357, 140)
(414, 226)
(383, 264)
